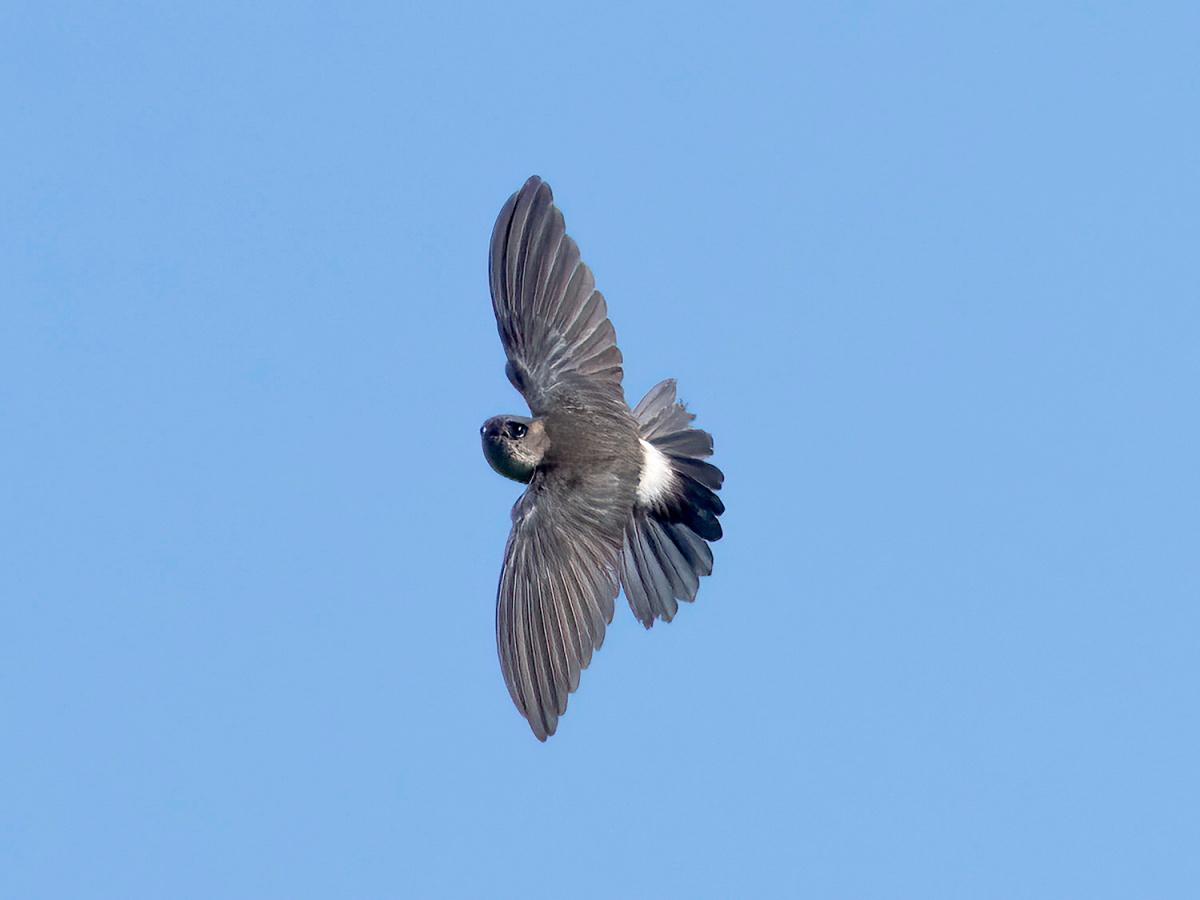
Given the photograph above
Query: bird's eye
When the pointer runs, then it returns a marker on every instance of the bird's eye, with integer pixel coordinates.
(516, 430)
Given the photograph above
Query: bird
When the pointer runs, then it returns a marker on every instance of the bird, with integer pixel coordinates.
(615, 498)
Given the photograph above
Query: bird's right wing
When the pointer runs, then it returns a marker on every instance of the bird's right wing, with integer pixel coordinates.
(555, 596)
(552, 321)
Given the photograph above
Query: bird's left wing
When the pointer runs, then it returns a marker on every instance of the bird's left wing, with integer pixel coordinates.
(556, 593)
(552, 321)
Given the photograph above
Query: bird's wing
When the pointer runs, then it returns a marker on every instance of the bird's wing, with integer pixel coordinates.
(552, 321)
(556, 593)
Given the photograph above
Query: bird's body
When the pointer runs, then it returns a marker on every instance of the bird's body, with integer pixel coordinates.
(616, 497)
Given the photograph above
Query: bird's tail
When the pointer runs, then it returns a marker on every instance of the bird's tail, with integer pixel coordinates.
(666, 541)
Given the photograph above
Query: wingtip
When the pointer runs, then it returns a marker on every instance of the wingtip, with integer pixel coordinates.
(535, 183)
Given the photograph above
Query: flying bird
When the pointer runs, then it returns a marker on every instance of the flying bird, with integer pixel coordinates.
(615, 497)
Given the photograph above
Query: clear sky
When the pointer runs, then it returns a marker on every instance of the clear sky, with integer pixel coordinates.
(929, 275)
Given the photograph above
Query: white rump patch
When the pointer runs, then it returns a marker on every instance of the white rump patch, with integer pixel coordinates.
(657, 478)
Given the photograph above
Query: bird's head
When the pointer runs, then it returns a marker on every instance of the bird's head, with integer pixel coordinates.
(514, 445)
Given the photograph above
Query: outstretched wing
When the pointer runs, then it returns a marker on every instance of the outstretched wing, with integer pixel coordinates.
(556, 593)
(552, 321)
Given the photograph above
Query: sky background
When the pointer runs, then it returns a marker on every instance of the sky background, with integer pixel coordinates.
(928, 274)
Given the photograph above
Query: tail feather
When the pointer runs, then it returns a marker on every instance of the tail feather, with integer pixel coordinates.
(699, 508)
(705, 473)
(658, 414)
(684, 579)
(645, 584)
(666, 550)
(692, 443)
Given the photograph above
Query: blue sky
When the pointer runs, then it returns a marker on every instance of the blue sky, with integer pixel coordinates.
(930, 276)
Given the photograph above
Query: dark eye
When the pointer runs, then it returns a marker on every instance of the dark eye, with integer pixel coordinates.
(516, 430)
